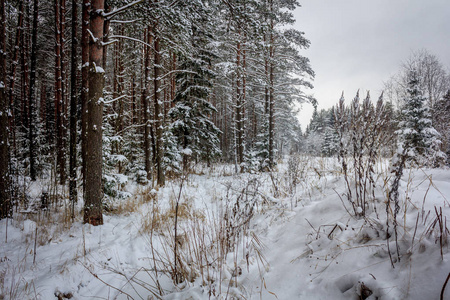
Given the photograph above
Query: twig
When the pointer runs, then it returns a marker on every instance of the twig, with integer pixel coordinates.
(104, 282)
(342, 200)
(35, 242)
(443, 288)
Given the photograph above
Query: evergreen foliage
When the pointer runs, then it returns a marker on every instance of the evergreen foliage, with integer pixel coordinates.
(196, 134)
(418, 138)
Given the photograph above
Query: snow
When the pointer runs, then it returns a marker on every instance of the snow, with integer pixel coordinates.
(121, 179)
(99, 69)
(299, 244)
(187, 151)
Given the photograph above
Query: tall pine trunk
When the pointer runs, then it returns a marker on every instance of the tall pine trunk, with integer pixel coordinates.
(5, 201)
(93, 201)
(12, 74)
(64, 101)
(86, 6)
(25, 43)
(60, 159)
(158, 115)
(146, 105)
(271, 90)
(239, 107)
(32, 94)
(73, 108)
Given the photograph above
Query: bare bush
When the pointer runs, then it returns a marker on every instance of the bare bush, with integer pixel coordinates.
(362, 132)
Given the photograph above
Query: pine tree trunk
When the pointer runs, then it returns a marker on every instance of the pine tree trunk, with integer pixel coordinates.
(158, 111)
(271, 91)
(93, 202)
(105, 35)
(25, 70)
(86, 6)
(120, 89)
(134, 118)
(58, 97)
(73, 108)
(64, 101)
(12, 74)
(5, 200)
(239, 108)
(32, 94)
(146, 105)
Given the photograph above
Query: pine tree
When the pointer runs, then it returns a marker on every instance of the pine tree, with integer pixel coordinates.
(418, 138)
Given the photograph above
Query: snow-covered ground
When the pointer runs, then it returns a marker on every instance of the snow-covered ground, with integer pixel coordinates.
(247, 236)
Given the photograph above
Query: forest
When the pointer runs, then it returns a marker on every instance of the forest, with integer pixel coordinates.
(151, 149)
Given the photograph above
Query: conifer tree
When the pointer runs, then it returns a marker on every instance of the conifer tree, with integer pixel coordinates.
(196, 133)
(418, 138)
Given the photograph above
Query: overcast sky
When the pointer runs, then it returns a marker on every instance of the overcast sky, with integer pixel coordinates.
(358, 44)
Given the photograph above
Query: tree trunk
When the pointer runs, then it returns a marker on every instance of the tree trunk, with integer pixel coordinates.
(64, 101)
(73, 108)
(105, 35)
(93, 202)
(134, 118)
(32, 94)
(5, 200)
(158, 111)
(146, 104)
(25, 70)
(239, 108)
(12, 74)
(58, 98)
(271, 91)
(86, 6)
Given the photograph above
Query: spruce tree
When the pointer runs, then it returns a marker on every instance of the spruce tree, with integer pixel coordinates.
(418, 138)
(197, 136)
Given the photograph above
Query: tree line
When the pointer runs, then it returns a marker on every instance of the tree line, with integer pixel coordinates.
(416, 115)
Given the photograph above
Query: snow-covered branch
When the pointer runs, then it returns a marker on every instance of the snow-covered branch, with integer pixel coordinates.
(121, 9)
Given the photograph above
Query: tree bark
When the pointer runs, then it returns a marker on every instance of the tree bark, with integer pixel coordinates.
(93, 202)
(134, 118)
(73, 108)
(160, 177)
(5, 200)
(146, 104)
(25, 70)
(64, 102)
(271, 90)
(12, 74)
(239, 108)
(86, 5)
(58, 97)
(32, 94)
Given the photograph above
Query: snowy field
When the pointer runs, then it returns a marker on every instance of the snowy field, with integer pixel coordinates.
(290, 234)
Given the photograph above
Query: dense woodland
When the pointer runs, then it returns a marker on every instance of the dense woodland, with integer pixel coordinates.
(145, 89)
